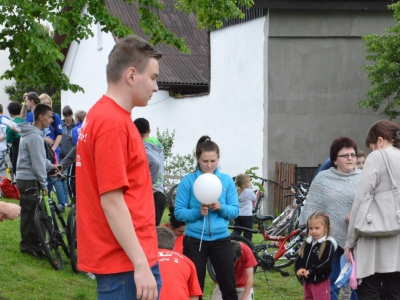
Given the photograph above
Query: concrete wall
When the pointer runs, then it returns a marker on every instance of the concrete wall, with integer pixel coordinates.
(232, 114)
(315, 82)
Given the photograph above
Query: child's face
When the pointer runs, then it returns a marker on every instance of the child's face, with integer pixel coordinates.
(317, 228)
(360, 162)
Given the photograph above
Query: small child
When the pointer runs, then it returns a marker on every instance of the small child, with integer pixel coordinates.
(314, 263)
(246, 200)
(244, 272)
(361, 157)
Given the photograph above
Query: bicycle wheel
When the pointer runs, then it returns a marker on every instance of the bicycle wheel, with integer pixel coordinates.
(71, 224)
(48, 238)
(294, 219)
(172, 195)
(239, 239)
(60, 228)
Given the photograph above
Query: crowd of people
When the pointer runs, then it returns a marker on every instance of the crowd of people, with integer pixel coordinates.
(120, 199)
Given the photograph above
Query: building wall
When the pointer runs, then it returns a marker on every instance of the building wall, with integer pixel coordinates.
(4, 65)
(315, 82)
(232, 114)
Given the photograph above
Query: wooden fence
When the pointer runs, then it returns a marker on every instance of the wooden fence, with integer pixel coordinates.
(282, 171)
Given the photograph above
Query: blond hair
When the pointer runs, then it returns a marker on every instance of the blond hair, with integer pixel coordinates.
(325, 219)
(44, 97)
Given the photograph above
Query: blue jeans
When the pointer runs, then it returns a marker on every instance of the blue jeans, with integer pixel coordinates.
(335, 274)
(121, 286)
(61, 197)
(64, 184)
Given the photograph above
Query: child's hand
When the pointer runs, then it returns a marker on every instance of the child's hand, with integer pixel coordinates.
(306, 273)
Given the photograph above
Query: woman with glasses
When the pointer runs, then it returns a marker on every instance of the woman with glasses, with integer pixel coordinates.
(333, 192)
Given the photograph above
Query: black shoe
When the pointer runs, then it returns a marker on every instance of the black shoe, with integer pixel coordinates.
(61, 208)
(34, 253)
(40, 254)
(69, 204)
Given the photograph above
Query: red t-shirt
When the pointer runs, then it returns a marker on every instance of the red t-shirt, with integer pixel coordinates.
(247, 260)
(179, 276)
(111, 155)
(178, 246)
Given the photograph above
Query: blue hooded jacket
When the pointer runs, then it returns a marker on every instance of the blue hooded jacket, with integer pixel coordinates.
(187, 208)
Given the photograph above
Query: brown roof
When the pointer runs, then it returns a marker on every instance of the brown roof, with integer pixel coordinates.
(183, 73)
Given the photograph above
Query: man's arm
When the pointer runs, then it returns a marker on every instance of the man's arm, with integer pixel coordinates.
(56, 142)
(249, 283)
(120, 221)
(9, 211)
(58, 131)
(69, 159)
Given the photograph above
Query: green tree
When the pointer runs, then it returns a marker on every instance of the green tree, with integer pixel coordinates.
(35, 54)
(175, 164)
(16, 91)
(384, 73)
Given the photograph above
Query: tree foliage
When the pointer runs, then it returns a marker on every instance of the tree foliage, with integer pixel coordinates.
(35, 54)
(174, 163)
(384, 73)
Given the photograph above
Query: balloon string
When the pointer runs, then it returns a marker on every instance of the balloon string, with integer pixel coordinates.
(202, 233)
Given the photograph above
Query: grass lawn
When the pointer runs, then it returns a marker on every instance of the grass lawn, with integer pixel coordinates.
(25, 277)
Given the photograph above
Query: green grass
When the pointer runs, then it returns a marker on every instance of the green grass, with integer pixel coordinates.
(25, 277)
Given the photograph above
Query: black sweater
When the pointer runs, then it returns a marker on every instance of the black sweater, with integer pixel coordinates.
(320, 269)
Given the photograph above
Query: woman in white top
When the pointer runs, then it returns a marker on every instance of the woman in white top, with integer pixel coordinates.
(377, 258)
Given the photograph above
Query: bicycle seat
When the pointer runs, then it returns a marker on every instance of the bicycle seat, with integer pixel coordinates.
(31, 190)
(264, 218)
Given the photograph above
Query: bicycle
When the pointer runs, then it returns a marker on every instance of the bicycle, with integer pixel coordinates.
(287, 221)
(172, 195)
(71, 223)
(274, 252)
(261, 192)
(51, 228)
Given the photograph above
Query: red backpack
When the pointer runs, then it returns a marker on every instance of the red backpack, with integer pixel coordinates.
(8, 189)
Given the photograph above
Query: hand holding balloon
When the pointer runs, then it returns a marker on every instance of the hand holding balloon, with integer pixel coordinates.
(208, 188)
(215, 206)
(204, 210)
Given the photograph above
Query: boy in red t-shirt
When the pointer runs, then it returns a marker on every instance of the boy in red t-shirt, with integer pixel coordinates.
(117, 239)
(178, 272)
(244, 271)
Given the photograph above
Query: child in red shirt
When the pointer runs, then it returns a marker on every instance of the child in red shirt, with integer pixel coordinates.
(244, 271)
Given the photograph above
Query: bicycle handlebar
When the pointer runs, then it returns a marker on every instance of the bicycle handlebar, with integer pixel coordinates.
(289, 195)
(267, 180)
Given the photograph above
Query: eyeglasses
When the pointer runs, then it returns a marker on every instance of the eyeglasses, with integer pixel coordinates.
(352, 155)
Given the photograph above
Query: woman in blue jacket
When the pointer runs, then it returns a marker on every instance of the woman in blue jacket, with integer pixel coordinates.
(211, 240)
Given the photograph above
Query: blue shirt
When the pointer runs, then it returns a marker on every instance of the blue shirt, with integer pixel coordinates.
(75, 133)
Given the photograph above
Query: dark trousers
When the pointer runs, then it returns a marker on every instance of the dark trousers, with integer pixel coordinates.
(159, 204)
(221, 256)
(14, 155)
(29, 237)
(372, 286)
(244, 221)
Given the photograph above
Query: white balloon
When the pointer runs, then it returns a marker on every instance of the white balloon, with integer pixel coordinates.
(207, 188)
